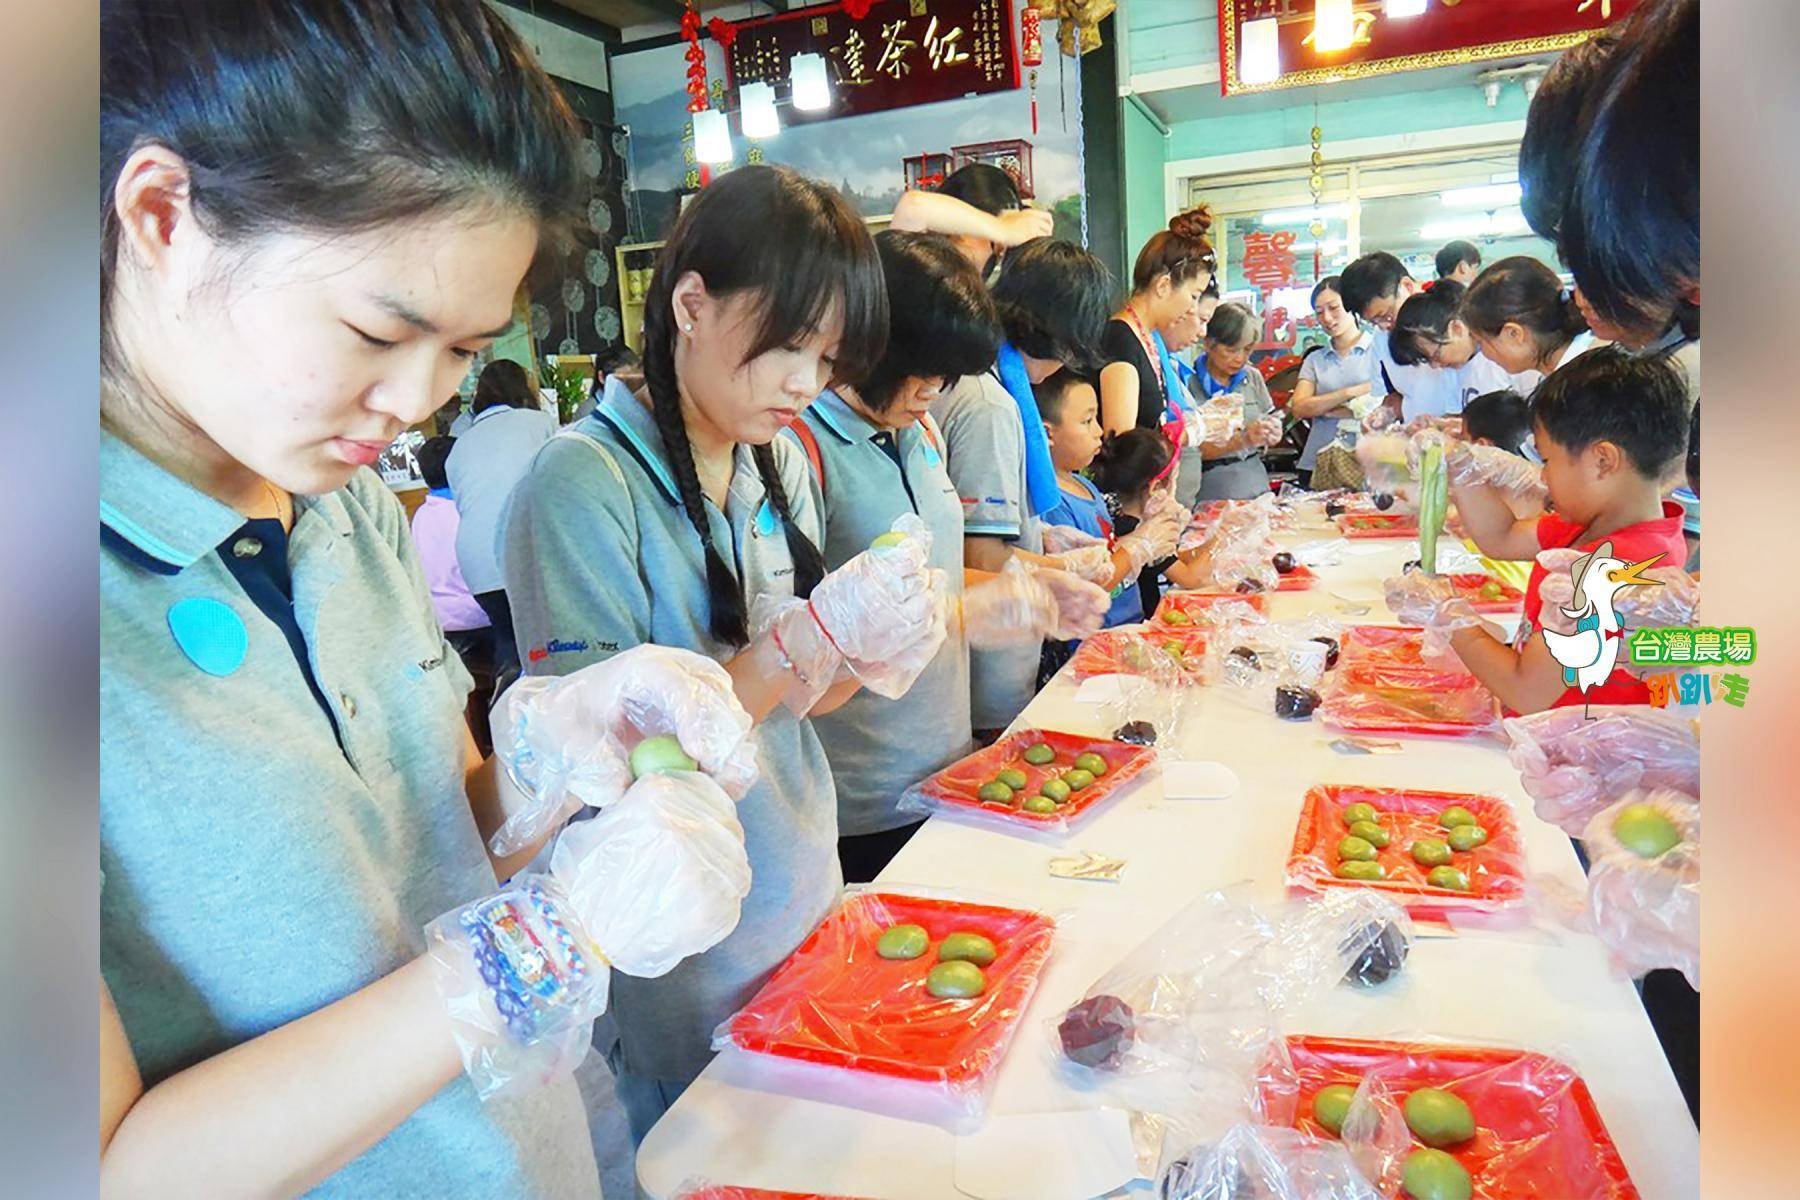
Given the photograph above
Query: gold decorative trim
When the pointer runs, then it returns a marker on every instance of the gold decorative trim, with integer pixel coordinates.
(1387, 66)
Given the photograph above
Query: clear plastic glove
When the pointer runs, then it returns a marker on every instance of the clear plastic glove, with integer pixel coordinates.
(1029, 604)
(1673, 603)
(521, 982)
(1093, 563)
(1261, 1162)
(1429, 600)
(1021, 225)
(565, 742)
(1380, 417)
(658, 875)
(1572, 766)
(879, 615)
(1265, 431)
(1060, 539)
(1646, 906)
(1157, 535)
(1218, 420)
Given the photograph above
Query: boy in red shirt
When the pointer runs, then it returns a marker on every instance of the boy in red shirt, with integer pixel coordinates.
(1608, 427)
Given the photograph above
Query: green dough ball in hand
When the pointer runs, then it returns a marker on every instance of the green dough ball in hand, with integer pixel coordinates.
(994, 792)
(956, 980)
(1430, 852)
(886, 540)
(1077, 779)
(903, 942)
(1332, 1104)
(1438, 1118)
(655, 755)
(967, 947)
(1055, 790)
(1644, 831)
(1456, 815)
(1013, 778)
(1358, 812)
(1449, 878)
(1040, 805)
(1352, 868)
(1040, 755)
(1093, 764)
(1467, 837)
(1371, 833)
(1177, 617)
(1434, 1175)
(1355, 849)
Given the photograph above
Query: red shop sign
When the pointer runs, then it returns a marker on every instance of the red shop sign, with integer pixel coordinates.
(895, 54)
(1447, 33)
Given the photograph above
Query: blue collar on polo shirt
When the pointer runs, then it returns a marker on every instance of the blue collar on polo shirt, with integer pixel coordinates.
(623, 413)
(153, 518)
(836, 414)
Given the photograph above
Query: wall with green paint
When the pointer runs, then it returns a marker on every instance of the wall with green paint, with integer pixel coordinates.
(1144, 159)
(1370, 116)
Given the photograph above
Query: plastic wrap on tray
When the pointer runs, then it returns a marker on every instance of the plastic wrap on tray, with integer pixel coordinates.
(1397, 649)
(1644, 882)
(1537, 1133)
(1573, 762)
(1373, 698)
(1484, 593)
(874, 1021)
(1263, 1162)
(958, 788)
(1378, 525)
(1198, 609)
(698, 1189)
(1176, 657)
(1491, 869)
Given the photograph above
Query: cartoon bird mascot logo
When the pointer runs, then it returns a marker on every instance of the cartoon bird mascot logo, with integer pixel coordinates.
(1589, 655)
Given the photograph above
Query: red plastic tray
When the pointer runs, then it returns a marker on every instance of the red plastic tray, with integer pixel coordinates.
(1385, 645)
(1372, 697)
(1378, 525)
(1123, 652)
(955, 786)
(1496, 868)
(836, 1002)
(744, 1193)
(1193, 603)
(1299, 579)
(1538, 1133)
(1468, 585)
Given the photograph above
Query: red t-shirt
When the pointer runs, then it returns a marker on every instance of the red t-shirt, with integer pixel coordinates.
(1634, 543)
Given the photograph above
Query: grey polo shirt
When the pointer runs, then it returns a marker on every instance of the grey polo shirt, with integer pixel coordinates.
(601, 557)
(880, 747)
(1330, 371)
(985, 447)
(484, 466)
(256, 869)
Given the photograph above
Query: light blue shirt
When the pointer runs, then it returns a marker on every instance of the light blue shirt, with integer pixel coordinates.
(600, 558)
(1330, 371)
(484, 466)
(880, 747)
(1425, 390)
(255, 870)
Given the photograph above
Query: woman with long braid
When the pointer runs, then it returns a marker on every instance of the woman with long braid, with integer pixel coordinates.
(678, 517)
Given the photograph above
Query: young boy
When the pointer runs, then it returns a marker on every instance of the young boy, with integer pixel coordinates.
(1608, 426)
(1500, 419)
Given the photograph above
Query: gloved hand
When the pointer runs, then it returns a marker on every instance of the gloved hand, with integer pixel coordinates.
(1265, 431)
(1647, 908)
(565, 742)
(1026, 604)
(1158, 532)
(1673, 603)
(1060, 539)
(1429, 600)
(1380, 417)
(1220, 419)
(1093, 563)
(657, 875)
(1468, 465)
(879, 615)
(1572, 767)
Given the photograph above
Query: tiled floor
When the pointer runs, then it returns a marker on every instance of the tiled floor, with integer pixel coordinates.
(612, 1140)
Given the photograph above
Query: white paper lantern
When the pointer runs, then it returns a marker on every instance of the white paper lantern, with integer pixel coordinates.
(812, 87)
(1261, 59)
(1334, 25)
(759, 115)
(712, 136)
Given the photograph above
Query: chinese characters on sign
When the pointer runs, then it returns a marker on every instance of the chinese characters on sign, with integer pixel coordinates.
(1677, 646)
(900, 53)
(1269, 266)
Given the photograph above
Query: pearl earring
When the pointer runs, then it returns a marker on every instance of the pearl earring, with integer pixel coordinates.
(687, 329)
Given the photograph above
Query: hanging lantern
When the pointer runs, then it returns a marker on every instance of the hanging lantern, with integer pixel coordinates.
(1031, 52)
(812, 87)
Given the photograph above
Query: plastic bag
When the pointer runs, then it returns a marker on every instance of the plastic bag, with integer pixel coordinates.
(1259, 1162)
(1383, 457)
(1647, 908)
(872, 1023)
(565, 741)
(659, 875)
(958, 789)
(1573, 766)
(1028, 604)
(1373, 698)
(1176, 657)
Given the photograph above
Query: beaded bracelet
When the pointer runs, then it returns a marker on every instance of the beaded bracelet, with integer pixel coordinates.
(528, 958)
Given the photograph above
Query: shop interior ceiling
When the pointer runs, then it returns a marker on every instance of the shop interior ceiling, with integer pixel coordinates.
(1201, 100)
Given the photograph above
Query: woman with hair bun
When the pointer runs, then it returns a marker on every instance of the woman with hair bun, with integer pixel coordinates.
(1139, 384)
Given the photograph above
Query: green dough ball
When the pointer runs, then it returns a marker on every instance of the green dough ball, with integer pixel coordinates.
(1456, 815)
(655, 755)
(1430, 852)
(1355, 849)
(967, 947)
(1467, 837)
(886, 540)
(1448, 877)
(1056, 790)
(1177, 617)
(1077, 779)
(1491, 590)
(1434, 1175)
(1039, 755)
(994, 792)
(1644, 831)
(1356, 869)
(1039, 804)
(1438, 1118)
(956, 980)
(1013, 778)
(1359, 812)
(903, 942)
(1371, 833)
(1332, 1104)
(1093, 764)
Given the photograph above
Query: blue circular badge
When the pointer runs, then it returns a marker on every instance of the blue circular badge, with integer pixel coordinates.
(210, 633)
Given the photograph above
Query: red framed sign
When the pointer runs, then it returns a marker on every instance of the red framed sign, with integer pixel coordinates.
(1447, 33)
(897, 53)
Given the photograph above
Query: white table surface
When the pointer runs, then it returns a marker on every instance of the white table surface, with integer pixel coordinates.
(1543, 988)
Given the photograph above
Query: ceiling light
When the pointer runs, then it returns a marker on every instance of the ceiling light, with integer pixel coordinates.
(1487, 195)
(1499, 224)
(758, 110)
(712, 136)
(1261, 59)
(812, 90)
(1334, 25)
(1303, 216)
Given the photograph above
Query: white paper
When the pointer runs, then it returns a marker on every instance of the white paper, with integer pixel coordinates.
(1198, 780)
(1367, 546)
(1047, 1156)
(1103, 689)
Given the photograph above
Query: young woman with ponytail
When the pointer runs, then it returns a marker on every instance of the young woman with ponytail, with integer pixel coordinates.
(679, 517)
(1523, 318)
